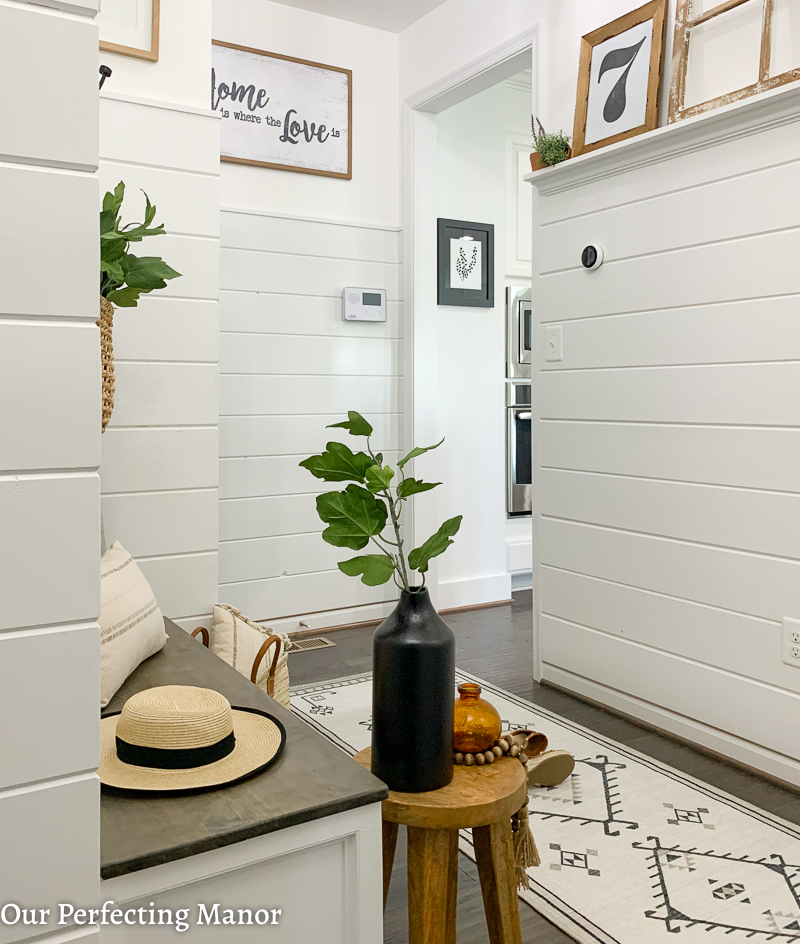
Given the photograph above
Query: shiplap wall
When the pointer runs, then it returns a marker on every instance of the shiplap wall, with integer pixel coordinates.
(668, 473)
(289, 365)
(159, 469)
(49, 453)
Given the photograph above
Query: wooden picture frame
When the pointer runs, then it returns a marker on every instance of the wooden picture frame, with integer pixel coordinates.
(151, 54)
(647, 89)
(684, 23)
(479, 254)
(294, 168)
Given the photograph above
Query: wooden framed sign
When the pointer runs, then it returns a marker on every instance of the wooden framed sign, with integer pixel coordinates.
(280, 112)
(619, 81)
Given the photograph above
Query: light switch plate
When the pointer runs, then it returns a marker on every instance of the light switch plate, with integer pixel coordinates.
(553, 343)
(790, 642)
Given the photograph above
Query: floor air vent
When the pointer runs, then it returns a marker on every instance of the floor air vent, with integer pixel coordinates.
(313, 642)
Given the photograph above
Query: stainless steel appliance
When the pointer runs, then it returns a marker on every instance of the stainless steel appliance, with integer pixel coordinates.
(519, 328)
(518, 448)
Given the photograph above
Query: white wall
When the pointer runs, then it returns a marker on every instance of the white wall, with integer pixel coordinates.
(289, 363)
(667, 487)
(159, 469)
(49, 453)
(473, 180)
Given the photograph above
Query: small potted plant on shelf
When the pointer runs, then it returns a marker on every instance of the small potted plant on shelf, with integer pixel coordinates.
(550, 148)
(413, 649)
(123, 276)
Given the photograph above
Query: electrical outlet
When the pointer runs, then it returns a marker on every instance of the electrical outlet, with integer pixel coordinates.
(790, 642)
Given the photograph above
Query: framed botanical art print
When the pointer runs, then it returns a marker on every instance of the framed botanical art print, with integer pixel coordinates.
(619, 82)
(465, 270)
(129, 28)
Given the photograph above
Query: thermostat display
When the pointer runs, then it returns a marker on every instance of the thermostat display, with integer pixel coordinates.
(364, 304)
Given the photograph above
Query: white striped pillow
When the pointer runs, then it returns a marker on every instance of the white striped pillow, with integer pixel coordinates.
(131, 624)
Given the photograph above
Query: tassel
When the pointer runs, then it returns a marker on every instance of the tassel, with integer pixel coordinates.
(526, 855)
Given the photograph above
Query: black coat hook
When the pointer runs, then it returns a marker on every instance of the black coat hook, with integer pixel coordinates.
(105, 72)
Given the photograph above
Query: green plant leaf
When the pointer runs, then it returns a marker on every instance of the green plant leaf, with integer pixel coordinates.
(375, 569)
(410, 487)
(113, 270)
(338, 464)
(108, 225)
(379, 477)
(111, 251)
(435, 545)
(355, 424)
(113, 201)
(124, 297)
(146, 272)
(352, 516)
(417, 451)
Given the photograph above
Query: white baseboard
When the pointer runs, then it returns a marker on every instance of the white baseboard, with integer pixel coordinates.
(331, 618)
(473, 591)
(296, 624)
(759, 759)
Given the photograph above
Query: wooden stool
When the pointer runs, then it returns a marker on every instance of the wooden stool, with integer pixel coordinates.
(482, 799)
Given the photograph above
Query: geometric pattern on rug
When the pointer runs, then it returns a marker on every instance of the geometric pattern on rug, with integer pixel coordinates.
(632, 850)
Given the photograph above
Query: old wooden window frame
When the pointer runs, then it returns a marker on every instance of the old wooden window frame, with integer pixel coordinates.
(684, 24)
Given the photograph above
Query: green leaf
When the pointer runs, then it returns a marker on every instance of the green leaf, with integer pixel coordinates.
(435, 545)
(111, 251)
(353, 516)
(417, 451)
(375, 569)
(338, 464)
(114, 270)
(135, 232)
(108, 225)
(355, 424)
(146, 272)
(378, 477)
(124, 297)
(150, 211)
(410, 487)
(113, 201)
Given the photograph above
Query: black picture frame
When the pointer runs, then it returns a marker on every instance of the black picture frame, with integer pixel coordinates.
(461, 297)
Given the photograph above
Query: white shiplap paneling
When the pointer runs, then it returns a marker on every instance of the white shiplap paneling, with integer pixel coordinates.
(667, 477)
(289, 367)
(49, 452)
(51, 370)
(42, 671)
(159, 468)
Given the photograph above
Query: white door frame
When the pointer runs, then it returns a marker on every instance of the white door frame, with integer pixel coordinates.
(420, 335)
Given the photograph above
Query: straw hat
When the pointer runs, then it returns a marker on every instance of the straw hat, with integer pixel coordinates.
(178, 737)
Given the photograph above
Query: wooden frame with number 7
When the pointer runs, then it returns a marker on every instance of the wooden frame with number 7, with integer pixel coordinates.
(656, 11)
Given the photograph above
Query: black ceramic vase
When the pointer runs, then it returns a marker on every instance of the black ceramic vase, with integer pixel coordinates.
(413, 679)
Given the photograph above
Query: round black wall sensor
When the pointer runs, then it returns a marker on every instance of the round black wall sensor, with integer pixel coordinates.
(592, 257)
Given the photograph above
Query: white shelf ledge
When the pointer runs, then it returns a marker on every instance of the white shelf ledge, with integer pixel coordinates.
(771, 109)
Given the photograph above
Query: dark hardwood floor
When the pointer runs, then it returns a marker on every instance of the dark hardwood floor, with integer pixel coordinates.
(495, 643)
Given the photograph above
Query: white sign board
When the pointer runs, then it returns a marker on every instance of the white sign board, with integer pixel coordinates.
(281, 112)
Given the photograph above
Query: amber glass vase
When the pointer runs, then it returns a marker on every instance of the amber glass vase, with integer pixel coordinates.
(476, 723)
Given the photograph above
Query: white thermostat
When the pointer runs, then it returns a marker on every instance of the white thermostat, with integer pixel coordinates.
(364, 304)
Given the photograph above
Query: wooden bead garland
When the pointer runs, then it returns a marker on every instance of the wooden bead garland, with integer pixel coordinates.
(502, 746)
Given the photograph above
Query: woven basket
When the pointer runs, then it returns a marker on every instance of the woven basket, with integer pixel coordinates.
(281, 688)
(106, 325)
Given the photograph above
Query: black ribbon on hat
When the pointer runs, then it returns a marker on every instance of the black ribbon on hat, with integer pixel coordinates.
(162, 758)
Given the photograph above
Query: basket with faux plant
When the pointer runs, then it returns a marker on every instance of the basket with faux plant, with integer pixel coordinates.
(550, 148)
(123, 276)
(413, 663)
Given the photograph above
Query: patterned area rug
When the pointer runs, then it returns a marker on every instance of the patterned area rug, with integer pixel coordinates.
(632, 850)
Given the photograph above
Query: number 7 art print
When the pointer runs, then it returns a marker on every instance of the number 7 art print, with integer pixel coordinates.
(619, 82)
